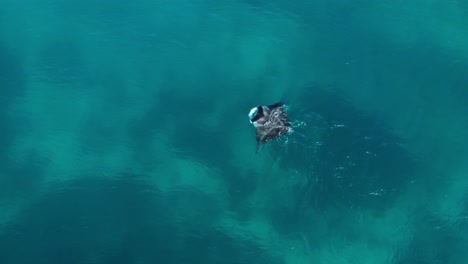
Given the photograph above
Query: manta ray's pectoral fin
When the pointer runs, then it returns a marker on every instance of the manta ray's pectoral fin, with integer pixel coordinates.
(277, 105)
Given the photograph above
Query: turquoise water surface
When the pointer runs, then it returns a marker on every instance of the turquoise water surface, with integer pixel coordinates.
(125, 138)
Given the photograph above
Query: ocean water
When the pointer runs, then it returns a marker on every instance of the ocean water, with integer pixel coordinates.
(125, 138)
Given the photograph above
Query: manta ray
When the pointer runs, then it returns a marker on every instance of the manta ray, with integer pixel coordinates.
(270, 122)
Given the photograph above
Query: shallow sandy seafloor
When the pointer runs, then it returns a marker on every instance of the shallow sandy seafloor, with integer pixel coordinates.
(125, 135)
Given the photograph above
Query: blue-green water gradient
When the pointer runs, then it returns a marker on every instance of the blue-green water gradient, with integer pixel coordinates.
(125, 138)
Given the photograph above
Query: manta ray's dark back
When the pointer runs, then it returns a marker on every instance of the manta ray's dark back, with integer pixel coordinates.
(276, 124)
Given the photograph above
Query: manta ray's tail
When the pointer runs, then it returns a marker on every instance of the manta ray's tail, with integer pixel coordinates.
(260, 146)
